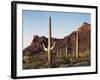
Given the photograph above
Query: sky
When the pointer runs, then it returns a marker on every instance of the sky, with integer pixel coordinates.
(63, 23)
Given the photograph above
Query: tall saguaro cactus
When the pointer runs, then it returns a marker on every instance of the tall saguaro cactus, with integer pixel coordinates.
(77, 52)
(49, 49)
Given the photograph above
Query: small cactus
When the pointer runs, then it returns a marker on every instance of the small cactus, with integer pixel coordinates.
(57, 54)
(49, 49)
(66, 52)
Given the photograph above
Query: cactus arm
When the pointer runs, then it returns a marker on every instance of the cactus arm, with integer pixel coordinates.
(53, 46)
(45, 48)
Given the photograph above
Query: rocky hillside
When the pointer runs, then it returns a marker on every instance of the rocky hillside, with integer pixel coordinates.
(36, 46)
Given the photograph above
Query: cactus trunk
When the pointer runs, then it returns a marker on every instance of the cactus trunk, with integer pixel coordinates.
(49, 49)
(49, 43)
(77, 52)
(57, 54)
(66, 52)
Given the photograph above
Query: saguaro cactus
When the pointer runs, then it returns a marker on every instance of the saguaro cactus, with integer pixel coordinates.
(77, 52)
(66, 52)
(49, 49)
(57, 54)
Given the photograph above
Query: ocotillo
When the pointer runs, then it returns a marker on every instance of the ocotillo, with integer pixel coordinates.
(49, 49)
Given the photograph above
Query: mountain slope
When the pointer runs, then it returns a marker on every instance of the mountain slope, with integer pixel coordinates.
(84, 31)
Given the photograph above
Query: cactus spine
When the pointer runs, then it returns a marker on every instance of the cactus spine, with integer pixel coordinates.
(49, 49)
(77, 52)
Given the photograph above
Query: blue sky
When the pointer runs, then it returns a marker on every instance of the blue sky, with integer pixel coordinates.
(63, 23)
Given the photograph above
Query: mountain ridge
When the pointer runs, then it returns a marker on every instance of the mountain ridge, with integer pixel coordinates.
(84, 31)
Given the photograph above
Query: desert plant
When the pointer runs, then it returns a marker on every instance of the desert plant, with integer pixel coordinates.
(26, 57)
(66, 52)
(57, 54)
(77, 52)
(49, 49)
